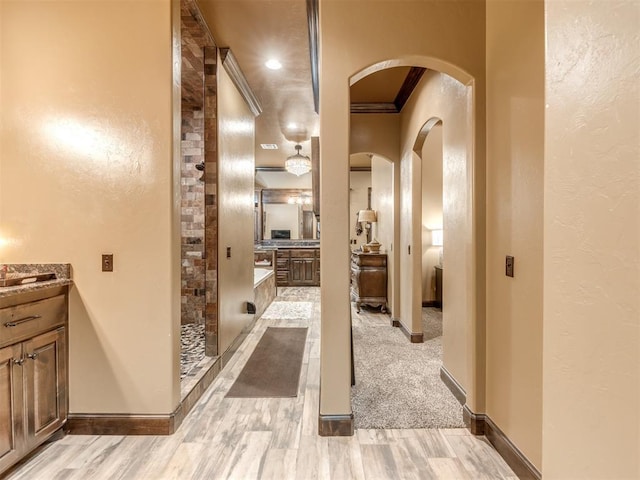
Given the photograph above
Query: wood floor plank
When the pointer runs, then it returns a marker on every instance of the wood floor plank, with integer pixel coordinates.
(378, 462)
(279, 464)
(312, 461)
(479, 457)
(345, 458)
(408, 453)
(183, 463)
(448, 469)
(247, 459)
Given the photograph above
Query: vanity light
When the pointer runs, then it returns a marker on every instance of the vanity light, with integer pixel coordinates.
(273, 64)
(298, 164)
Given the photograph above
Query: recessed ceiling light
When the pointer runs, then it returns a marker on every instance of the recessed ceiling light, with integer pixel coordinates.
(273, 64)
(269, 146)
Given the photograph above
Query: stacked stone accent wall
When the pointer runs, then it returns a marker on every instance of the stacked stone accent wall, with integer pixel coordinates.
(192, 218)
(211, 200)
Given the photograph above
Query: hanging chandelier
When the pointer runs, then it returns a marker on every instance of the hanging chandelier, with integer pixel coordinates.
(298, 164)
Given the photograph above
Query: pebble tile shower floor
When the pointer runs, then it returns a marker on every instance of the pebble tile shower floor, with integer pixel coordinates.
(191, 347)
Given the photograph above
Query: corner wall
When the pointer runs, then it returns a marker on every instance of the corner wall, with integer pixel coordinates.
(440, 96)
(382, 188)
(235, 190)
(87, 164)
(515, 149)
(432, 156)
(591, 371)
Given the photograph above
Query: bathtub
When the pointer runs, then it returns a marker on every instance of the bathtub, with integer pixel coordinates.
(264, 289)
(259, 274)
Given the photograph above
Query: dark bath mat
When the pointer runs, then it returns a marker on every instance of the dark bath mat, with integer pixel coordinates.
(273, 369)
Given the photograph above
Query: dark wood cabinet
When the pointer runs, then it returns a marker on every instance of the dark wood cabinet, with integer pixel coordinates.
(298, 267)
(369, 279)
(438, 286)
(33, 375)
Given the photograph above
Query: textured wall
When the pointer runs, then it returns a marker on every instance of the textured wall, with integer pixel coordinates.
(236, 165)
(431, 208)
(438, 96)
(359, 184)
(515, 147)
(591, 370)
(87, 168)
(382, 188)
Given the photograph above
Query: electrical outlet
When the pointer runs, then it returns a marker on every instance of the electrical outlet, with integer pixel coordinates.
(509, 265)
(107, 262)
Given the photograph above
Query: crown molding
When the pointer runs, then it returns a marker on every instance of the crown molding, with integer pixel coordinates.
(232, 67)
(386, 107)
(312, 21)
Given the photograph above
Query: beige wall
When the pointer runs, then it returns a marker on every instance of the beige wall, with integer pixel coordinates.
(591, 366)
(375, 133)
(515, 148)
(359, 184)
(431, 156)
(382, 201)
(438, 96)
(444, 35)
(87, 168)
(236, 163)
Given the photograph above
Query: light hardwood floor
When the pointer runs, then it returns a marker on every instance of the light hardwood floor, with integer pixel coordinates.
(243, 438)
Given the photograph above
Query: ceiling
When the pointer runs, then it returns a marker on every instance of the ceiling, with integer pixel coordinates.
(256, 31)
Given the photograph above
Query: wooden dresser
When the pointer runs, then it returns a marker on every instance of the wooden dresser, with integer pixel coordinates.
(33, 370)
(369, 279)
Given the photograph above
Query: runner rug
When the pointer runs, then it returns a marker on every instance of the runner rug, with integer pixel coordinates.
(273, 369)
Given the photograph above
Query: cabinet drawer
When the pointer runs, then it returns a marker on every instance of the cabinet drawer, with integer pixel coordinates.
(303, 253)
(26, 320)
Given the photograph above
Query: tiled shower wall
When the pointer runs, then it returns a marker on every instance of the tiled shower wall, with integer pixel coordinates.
(211, 198)
(192, 217)
(199, 202)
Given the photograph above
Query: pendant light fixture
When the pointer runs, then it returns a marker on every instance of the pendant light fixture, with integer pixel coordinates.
(298, 164)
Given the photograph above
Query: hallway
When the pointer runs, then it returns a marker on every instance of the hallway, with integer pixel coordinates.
(269, 437)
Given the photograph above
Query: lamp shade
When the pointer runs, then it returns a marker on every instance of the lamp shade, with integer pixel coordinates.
(436, 238)
(367, 216)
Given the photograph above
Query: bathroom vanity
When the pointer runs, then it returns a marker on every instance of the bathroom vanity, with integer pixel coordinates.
(33, 366)
(297, 262)
(298, 266)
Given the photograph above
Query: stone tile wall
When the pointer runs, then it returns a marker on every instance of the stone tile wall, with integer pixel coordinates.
(211, 199)
(192, 218)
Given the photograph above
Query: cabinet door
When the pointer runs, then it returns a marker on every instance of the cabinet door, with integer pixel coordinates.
(11, 406)
(45, 380)
(302, 271)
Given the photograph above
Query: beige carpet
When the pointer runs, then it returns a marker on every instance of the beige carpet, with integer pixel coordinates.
(273, 369)
(397, 382)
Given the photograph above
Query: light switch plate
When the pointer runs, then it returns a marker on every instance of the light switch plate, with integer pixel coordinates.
(509, 266)
(107, 262)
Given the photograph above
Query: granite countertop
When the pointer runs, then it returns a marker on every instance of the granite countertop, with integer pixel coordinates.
(62, 271)
(282, 244)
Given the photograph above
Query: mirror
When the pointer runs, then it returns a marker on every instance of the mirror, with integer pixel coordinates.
(286, 214)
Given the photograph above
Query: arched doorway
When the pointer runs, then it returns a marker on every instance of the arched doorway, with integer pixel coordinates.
(438, 96)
